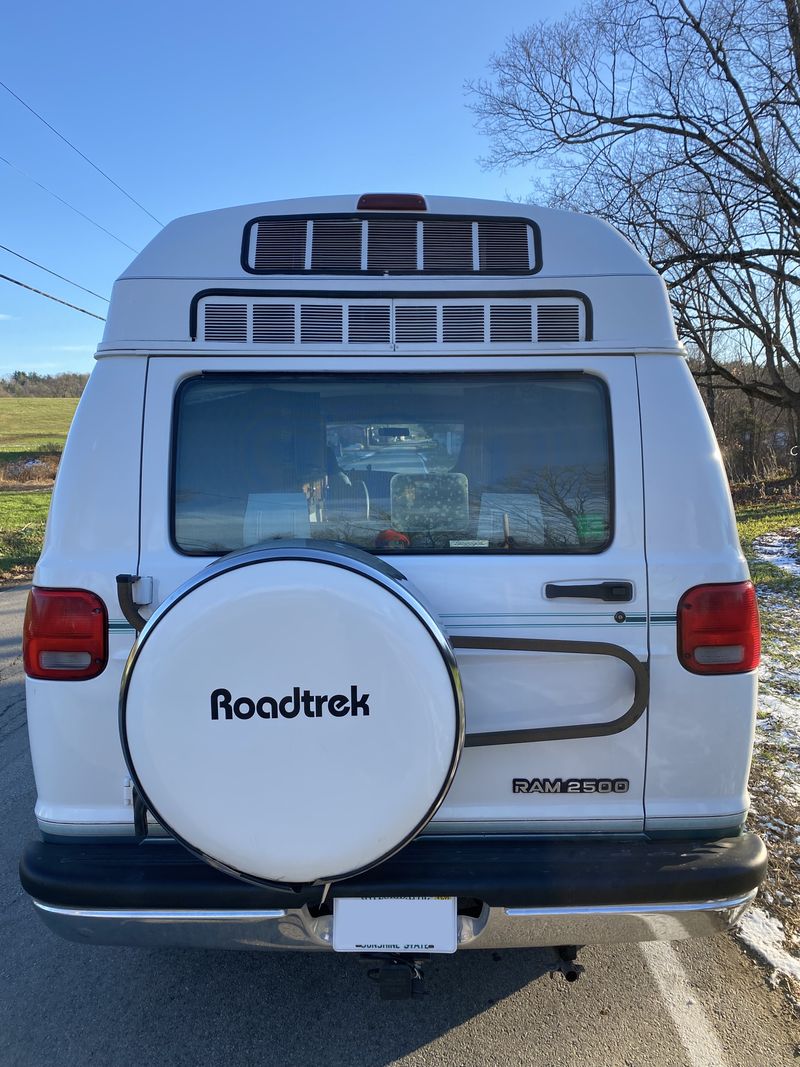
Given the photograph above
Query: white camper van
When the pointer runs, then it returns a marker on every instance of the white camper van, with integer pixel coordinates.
(391, 600)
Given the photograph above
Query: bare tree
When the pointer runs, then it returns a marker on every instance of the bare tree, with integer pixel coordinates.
(679, 122)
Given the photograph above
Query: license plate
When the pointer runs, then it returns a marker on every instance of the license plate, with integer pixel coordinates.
(395, 924)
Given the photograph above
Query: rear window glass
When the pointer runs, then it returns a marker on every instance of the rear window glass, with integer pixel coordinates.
(394, 463)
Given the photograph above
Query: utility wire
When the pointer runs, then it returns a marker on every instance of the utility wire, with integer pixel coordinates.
(91, 292)
(81, 154)
(67, 203)
(50, 296)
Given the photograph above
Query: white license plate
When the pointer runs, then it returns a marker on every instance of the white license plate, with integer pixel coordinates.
(395, 924)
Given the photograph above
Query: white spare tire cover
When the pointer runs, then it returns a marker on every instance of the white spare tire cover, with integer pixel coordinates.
(293, 715)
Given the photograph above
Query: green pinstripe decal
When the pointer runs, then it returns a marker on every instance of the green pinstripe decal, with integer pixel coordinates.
(119, 626)
(527, 615)
(549, 619)
(540, 625)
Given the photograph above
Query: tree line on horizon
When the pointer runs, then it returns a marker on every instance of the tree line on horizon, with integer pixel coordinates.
(30, 384)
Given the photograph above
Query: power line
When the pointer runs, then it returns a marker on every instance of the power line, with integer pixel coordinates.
(91, 292)
(67, 203)
(50, 296)
(81, 154)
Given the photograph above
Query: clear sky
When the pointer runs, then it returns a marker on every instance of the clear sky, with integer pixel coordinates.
(193, 106)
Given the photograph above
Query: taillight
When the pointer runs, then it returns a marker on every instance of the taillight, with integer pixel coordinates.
(718, 629)
(64, 636)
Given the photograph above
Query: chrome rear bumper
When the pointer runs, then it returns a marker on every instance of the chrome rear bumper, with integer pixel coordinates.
(297, 928)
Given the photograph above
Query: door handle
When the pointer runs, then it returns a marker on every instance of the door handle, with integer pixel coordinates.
(610, 592)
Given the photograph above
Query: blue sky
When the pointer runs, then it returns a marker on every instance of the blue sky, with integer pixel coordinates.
(191, 106)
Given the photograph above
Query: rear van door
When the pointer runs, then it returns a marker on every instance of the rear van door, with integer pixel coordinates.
(537, 569)
(585, 770)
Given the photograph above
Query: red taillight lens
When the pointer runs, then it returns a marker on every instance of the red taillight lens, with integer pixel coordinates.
(718, 629)
(64, 636)
(391, 202)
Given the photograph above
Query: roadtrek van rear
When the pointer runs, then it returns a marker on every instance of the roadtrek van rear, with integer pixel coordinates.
(391, 599)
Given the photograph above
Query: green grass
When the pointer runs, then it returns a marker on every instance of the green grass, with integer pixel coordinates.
(22, 520)
(35, 424)
(755, 520)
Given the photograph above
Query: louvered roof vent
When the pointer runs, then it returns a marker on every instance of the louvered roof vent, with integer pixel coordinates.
(391, 243)
(390, 324)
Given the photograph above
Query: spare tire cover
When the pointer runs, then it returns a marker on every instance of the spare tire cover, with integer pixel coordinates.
(293, 715)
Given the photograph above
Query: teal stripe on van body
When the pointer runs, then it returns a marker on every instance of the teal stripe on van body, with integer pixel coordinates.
(525, 615)
(548, 620)
(534, 625)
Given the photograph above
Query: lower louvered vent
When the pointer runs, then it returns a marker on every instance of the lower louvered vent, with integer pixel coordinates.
(462, 323)
(508, 323)
(320, 323)
(386, 323)
(273, 324)
(414, 325)
(226, 322)
(558, 322)
(369, 324)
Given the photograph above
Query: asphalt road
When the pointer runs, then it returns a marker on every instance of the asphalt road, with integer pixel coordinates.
(698, 1004)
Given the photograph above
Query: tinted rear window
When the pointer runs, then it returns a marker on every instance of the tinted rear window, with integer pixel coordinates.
(394, 463)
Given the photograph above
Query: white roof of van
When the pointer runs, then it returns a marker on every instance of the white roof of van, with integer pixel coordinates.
(150, 307)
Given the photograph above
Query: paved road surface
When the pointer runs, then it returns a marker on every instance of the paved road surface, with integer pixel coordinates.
(700, 1003)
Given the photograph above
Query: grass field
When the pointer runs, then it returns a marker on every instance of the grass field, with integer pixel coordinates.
(22, 519)
(31, 428)
(35, 424)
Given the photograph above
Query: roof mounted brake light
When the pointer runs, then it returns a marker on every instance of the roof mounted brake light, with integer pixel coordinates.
(391, 202)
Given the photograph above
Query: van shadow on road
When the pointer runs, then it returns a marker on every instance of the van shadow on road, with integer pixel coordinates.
(216, 1007)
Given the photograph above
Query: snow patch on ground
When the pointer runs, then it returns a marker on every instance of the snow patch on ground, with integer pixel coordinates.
(764, 934)
(779, 549)
(787, 709)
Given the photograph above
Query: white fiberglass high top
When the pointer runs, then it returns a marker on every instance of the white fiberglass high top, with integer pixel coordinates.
(622, 299)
